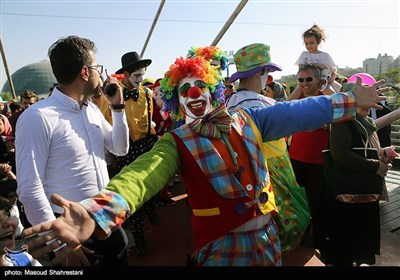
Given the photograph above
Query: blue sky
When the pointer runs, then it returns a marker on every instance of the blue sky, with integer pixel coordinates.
(356, 29)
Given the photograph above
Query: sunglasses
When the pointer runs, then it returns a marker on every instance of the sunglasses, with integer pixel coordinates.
(229, 86)
(308, 79)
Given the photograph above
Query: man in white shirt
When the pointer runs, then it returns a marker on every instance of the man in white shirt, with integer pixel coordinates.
(61, 140)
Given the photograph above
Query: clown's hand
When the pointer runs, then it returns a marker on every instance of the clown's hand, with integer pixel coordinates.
(369, 96)
(64, 234)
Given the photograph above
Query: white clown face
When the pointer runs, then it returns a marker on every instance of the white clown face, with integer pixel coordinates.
(263, 78)
(194, 97)
(137, 77)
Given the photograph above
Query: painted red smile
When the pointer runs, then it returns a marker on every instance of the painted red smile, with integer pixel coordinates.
(197, 107)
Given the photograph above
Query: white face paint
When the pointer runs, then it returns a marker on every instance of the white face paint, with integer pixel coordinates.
(264, 79)
(194, 97)
(137, 77)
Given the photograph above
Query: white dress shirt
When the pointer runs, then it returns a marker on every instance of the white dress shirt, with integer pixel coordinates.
(60, 149)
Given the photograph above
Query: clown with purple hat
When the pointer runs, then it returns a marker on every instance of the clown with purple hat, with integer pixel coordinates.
(253, 63)
(251, 59)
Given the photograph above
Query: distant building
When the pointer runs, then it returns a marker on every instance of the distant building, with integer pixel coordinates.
(379, 65)
(36, 76)
(396, 63)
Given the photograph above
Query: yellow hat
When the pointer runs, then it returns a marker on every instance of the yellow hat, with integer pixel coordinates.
(148, 81)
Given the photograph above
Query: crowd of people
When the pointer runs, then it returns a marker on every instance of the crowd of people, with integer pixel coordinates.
(248, 151)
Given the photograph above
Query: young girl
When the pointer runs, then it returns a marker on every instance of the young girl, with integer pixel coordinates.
(312, 39)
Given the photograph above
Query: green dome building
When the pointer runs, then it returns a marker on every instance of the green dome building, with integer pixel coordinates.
(36, 76)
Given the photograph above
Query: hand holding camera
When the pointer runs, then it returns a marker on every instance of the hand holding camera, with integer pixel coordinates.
(112, 92)
(109, 86)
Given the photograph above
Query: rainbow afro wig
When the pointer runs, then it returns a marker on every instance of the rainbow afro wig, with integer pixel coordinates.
(190, 67)
(210, 53)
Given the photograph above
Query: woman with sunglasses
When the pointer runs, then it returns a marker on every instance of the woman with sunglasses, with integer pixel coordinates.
(305, 152)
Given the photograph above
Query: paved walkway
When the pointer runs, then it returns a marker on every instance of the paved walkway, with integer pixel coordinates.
(390, 223)
(390, 211)
(171, 242)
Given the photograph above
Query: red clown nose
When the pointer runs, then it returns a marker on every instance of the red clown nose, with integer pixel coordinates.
(194, 92)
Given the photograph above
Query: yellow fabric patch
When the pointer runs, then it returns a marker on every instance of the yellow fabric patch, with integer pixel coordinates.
(206, 212)
(270, 205)
(276, 148)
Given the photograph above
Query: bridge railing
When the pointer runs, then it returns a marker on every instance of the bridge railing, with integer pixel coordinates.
(395, 136)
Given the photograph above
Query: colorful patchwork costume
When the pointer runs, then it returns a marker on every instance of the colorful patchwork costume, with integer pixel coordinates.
(221, 164)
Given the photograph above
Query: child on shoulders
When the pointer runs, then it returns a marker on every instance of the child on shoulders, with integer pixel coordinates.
(312, 38)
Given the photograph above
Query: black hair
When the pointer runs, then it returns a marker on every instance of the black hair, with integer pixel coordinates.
(5, 205)
(313, 67)
(68, 56)
(15, 106)
(7, 186)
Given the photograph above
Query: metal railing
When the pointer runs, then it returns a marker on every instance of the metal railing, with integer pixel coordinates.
(395, 136)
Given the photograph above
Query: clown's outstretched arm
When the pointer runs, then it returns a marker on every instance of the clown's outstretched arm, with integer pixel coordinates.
(103, 213)
(286, 118)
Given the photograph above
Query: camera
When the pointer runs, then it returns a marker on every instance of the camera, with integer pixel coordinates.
(110, 90)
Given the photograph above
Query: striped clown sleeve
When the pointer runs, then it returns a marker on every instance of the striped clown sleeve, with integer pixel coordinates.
(109, 210)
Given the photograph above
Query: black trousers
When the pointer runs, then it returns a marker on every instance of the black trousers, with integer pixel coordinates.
(112, 251)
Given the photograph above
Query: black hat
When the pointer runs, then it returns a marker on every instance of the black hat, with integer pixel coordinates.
(132, 61)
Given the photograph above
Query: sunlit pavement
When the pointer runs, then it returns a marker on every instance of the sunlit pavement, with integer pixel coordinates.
(170, 243)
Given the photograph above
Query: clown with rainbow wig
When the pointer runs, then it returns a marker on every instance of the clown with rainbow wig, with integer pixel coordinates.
(207, 84)
(213, 54)
(219, 158)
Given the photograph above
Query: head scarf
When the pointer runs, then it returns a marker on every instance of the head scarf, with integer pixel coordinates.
(365, 125)
(7, 126)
